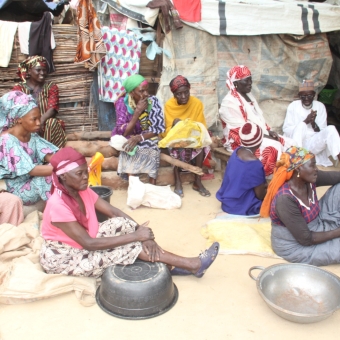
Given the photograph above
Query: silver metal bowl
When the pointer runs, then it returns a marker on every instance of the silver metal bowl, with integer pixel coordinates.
(298, 292)
(138, 291)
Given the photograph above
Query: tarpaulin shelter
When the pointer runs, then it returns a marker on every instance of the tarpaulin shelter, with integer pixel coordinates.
(282, 42)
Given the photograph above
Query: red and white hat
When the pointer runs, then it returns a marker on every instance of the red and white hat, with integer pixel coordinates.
(251, 135)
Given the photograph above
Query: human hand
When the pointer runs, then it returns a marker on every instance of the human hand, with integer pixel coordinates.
(144, 233)
(310, 119)
(152, 249)
(132, 142)
(274, 135)
(141, 106)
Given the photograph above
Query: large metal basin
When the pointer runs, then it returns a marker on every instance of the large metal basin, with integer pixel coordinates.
(138, 291)
(298, 292)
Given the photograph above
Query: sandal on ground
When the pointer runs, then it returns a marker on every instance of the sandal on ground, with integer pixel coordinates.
(207, 258)
(179, 192)
(202, 191)
(179, 271)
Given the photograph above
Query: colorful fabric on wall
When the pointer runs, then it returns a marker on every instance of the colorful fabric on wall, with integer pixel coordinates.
(121, 61)
(90, 48)
(189, 10)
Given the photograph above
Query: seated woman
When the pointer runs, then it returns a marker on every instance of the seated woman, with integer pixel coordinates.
(244, 184)
(75, 244)
(33, 72)
(22, 150)
(140, 119)
(304, 230)
(181, 107)
(238, 107)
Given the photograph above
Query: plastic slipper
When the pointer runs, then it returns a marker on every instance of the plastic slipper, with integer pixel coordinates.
(179, 271)
(207, 258)
(203, 191)
(179, 192)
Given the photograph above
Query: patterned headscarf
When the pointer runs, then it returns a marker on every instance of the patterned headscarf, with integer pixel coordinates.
(65, 160)
(29, 63)
(14, 105)
(290, 160)
(178, 82)
(236, 73)
(306, 85)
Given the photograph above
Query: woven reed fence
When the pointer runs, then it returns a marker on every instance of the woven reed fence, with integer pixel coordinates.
(74, 80)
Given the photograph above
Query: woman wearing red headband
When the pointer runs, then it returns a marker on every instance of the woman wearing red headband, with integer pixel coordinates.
(181, 107)
(76, 244)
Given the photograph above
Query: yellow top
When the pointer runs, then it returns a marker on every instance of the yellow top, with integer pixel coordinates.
(193, 109)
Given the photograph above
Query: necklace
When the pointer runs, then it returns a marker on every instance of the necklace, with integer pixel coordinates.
(307, 107)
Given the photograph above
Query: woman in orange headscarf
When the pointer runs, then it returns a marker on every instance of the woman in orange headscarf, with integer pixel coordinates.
(304, 230)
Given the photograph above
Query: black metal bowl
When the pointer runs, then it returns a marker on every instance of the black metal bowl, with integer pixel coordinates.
(138, 291)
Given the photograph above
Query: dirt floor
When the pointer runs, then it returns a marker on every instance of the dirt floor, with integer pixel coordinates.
(224, 304)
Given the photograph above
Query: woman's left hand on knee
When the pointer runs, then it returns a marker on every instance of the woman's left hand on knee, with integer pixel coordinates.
(153, 250)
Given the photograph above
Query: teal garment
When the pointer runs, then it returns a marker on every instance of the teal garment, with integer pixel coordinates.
(14, 105)
(17, 159)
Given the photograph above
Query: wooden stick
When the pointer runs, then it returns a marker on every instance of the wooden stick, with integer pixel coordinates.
(194, 169)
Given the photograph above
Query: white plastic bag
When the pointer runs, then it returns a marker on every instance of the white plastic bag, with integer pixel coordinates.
(117, 142)
(152, 196)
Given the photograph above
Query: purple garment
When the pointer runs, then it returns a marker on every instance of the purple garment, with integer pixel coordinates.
(123, 118)
(237, 193)
(152, 121)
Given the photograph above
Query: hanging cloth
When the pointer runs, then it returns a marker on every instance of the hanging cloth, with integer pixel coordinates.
(189, 10)
(40, 40)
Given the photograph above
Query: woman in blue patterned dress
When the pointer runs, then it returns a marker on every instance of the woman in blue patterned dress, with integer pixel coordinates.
(140, 119)
(22, 151)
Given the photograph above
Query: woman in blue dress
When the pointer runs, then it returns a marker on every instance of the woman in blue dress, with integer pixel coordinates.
(244, 184)
(22, 151)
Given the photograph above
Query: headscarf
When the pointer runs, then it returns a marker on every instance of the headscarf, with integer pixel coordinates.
(306, 85)
(63, 161)
(290, 160)
(251, 135)
(14, 105)
(29, 63)
(178, 82)
(236, 73)
(130, 83)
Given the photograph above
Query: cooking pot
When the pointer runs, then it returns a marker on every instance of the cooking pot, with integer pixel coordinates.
(138, 291)
(298, 292)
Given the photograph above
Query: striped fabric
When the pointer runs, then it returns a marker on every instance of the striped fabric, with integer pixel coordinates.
(48, 98)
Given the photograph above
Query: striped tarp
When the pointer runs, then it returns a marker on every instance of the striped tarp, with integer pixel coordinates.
(249, 17)
(258, 17)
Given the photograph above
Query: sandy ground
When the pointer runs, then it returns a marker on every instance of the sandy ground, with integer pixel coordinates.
(224, 304)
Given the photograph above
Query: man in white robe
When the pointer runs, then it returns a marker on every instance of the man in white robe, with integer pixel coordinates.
(306, 123)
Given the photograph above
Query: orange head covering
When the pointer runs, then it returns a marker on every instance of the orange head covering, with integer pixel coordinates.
(290, 160)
